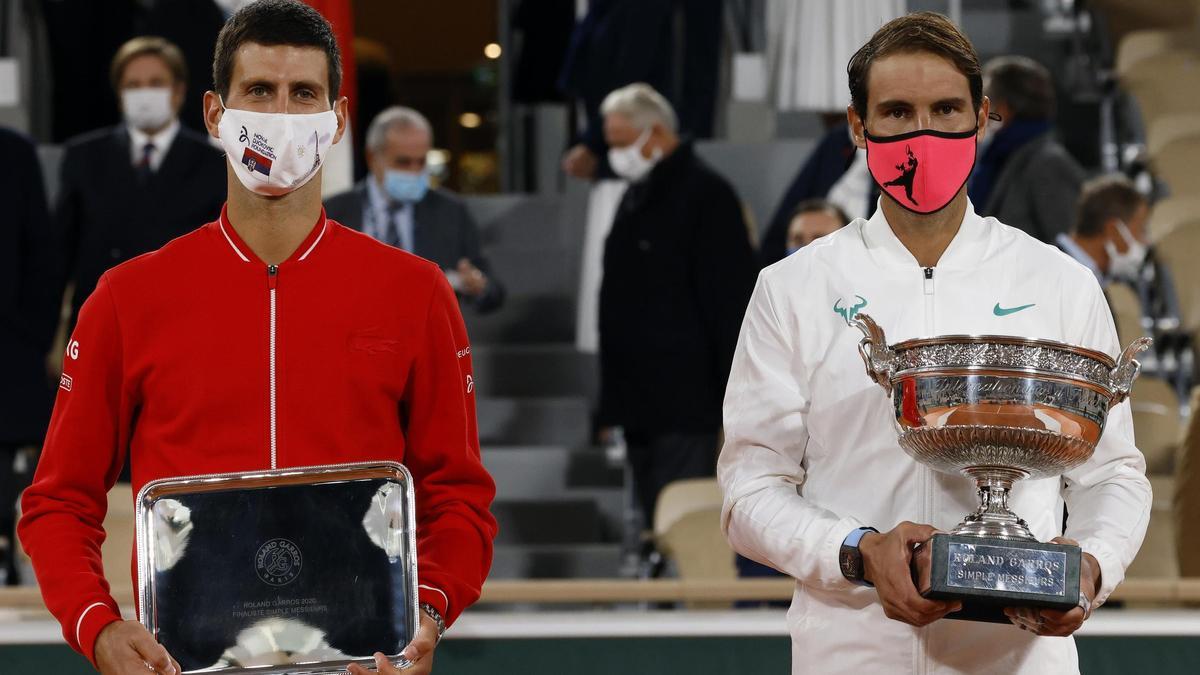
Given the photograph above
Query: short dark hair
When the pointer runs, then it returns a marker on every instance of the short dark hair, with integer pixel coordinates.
(148, 45)
(916, 32)
(275, 22)
(1104, 198)
(820, 204)
(1024, 84)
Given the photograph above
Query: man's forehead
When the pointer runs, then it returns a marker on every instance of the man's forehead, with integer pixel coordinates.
(915, 76)
(282, 63)
(402, 139)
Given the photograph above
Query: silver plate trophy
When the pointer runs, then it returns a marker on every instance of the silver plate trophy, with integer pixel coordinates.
(284, 571)
(997, 409)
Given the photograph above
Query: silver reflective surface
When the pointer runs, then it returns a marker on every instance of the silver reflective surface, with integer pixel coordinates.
(997, 409)
(289, 571)
(1007, 568)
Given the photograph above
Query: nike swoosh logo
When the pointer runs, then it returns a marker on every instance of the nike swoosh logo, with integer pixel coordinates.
(1000, 311)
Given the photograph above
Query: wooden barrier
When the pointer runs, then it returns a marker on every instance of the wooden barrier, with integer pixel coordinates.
(609, 591)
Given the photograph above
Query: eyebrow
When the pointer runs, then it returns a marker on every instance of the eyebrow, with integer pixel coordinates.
(900, 103)
(316, 87)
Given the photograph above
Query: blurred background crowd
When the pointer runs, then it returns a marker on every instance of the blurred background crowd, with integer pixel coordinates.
(602, 180)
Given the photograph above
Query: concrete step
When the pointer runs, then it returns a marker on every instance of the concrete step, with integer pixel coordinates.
(539, 471)
(563, 420)
(529, 318)
(556, 561)
(530, 370)
(530, 522)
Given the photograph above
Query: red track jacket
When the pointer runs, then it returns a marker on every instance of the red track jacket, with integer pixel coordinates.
(199, 358)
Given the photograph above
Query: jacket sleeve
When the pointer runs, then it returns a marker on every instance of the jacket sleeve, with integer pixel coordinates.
(472, 250)
(1055, 182)
(765, 515)
(63, 510)
(724, 268)
(1108, 497)
(454, 492)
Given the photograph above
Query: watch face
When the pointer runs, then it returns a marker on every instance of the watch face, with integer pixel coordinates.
(849, 563)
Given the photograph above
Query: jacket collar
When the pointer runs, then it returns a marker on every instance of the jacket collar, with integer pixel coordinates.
(243, 252)
(965, 251)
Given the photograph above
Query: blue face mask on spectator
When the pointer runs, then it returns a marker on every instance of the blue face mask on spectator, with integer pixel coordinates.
(404, 186)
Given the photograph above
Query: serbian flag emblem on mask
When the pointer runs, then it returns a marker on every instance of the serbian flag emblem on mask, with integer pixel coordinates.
(256, 162)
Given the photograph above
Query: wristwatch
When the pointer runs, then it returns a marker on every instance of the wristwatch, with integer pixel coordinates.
(850, 558)
(437, 618)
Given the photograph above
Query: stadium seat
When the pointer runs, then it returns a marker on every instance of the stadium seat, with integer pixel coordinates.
(687, 529)
(1156, 424)
(1157, 558)
(1142, 44)
(1186, 498)
(1127, 312)
(1177, 248)
(1165, 84)
(1172, 213)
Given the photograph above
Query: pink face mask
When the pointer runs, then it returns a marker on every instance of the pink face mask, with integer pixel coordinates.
(921, 170)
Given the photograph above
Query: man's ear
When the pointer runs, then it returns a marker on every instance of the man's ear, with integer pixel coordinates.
(857, 128)
(981, 120)
(212, 113)
(341, 108)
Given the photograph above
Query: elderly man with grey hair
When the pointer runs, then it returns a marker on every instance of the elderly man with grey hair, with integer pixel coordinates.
(678, 271)
(396, 205)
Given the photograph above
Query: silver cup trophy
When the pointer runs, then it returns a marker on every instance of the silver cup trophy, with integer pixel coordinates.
(997, 409)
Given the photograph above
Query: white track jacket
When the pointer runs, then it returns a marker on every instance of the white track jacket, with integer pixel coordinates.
(811, 452)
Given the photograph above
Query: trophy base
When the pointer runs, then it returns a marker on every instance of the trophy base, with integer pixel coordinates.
(989, 574)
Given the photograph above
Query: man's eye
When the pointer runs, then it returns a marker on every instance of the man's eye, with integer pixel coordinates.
(897, 113)
(947, 110)
(258, 91)
(304, 93)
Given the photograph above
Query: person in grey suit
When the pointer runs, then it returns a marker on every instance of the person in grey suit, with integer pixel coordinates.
(396, 205)
(1024, 176)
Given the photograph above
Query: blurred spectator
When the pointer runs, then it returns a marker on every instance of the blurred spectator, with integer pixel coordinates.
(1109, 237)
(624, 41)
(833, 171)
(1024, 177)
(396, 205)
(678, 272)
(28, 313)
(813, 219)
(129, 189)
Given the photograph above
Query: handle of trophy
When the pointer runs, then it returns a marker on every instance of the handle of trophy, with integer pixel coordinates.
(876, 355)
(1127, 369)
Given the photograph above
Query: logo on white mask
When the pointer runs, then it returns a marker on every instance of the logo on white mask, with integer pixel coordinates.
(269, 156)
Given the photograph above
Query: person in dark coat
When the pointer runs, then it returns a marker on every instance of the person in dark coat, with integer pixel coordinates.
(396, 205)
(28, 315)
(678, 271)
(1024, 176)
(129, 189)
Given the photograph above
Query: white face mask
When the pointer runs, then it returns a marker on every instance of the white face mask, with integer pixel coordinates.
(147, 108)
(628, 162)
(275, 153)
(1127, 265)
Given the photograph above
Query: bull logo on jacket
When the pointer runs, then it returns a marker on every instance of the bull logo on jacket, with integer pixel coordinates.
(848, 313)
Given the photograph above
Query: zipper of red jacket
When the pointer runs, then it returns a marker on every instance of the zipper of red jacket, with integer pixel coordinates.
(272, 278)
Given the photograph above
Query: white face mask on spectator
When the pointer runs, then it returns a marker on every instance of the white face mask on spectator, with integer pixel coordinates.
(1127, 265)
(629, 163)
(147, 108)
(275, 153)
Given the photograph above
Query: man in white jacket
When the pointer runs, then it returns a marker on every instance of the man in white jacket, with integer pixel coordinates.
(811, 459)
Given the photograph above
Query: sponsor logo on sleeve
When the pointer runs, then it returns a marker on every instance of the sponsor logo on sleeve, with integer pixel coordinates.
(73, 350)
(65, 382)
(470, 384)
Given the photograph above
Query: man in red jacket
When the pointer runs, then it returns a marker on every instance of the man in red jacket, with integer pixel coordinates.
(270, 338)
